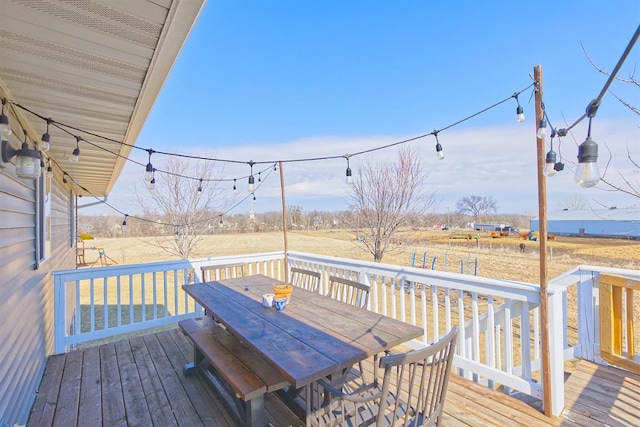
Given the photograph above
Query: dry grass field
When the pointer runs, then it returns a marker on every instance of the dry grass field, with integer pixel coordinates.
(497, 258)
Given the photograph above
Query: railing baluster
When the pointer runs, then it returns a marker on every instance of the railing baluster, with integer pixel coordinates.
(105, 297)
(143, 307)
(423, 305)
(475, 336)
(131, 291)
(508, 337)
(447, 308)
(435, 312)
(155, 295)
(78, 314)
(92, 314)
(525, 342)
(118, 301)
(490, 338)
(462, 332)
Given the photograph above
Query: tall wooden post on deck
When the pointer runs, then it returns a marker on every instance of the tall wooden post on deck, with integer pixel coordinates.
(284, 225)
(542, 240)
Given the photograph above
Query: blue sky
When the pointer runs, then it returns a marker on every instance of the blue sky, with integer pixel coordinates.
(285, 80)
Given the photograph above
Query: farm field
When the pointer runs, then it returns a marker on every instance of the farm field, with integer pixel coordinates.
(498, 258)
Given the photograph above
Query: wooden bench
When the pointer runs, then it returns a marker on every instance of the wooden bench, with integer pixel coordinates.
(239, 375)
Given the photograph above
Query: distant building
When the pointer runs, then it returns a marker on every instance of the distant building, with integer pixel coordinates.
(488, 227)
(616, 223)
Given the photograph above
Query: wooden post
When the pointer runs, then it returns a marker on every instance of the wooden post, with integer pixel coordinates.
(542, 240)
(284, 225)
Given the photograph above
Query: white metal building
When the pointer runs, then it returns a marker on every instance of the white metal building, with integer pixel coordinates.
(616, 223)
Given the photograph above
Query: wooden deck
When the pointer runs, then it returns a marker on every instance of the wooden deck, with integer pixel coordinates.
(139, 381)
(603, 395)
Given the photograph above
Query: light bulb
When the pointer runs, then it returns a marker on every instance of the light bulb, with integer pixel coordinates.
(349, 179)
(251, 187)
(542, 129)
(520, 114)
(550, 163)
(151, 185)
(75, 156)
(587, 173)
(549, 169)
(44, 145)
(439, 151)
(148, 174)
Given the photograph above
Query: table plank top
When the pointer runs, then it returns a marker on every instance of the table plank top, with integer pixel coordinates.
(313, 337)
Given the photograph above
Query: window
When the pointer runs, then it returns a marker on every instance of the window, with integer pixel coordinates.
(43, 218)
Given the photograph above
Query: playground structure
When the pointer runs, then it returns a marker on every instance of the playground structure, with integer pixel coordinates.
(103, 259)
(465, 267)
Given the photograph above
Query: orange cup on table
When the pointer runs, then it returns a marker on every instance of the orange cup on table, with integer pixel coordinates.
(283, 290)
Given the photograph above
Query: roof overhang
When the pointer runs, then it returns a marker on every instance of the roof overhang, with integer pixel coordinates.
(96, 66)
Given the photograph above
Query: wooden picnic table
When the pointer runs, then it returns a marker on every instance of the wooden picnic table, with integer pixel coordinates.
(314, 337)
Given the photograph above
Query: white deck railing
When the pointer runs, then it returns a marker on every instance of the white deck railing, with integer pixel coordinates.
(499, 338)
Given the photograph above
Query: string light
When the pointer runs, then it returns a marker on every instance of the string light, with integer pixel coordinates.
(151, 184)
(5, 127)
(251, 163)
(519, 110)
(235, 187)
(251, 187)
(75, 155)
(45, 140)
(587, 173)
(439, 151)
(200, 186)
(349, 179)
(124, 222)
(259, 178)
(550, 160)
(148, 174)
(542, 129)
(587, 154)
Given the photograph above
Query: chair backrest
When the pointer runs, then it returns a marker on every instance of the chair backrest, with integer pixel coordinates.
(219, 272)
(307, 279)
(415, 384)
(349, 291)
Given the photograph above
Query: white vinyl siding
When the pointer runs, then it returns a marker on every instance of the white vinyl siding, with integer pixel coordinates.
(26, 293)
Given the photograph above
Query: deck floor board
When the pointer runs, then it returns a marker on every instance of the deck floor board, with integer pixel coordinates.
(139, 381)
(602, 394)
(90, 406)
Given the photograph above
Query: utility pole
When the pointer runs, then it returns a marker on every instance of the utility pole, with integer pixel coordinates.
(542, 240)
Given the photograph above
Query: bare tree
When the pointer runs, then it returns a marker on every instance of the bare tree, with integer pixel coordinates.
(575, 203)
(385, 197)
(184, 209)
(476, 206)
